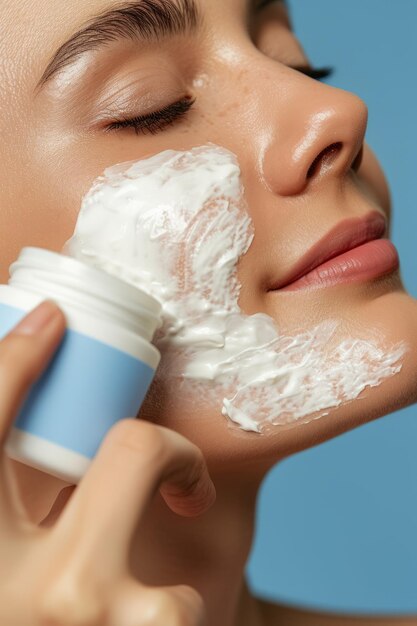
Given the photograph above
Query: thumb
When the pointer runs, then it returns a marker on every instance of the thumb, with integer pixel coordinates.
(24, 354)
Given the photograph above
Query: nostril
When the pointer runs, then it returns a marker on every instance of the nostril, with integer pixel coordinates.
(324, 159)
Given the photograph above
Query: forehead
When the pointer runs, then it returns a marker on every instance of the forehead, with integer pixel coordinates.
(42, 38)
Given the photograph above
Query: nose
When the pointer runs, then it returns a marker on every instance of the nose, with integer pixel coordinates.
(319, 136)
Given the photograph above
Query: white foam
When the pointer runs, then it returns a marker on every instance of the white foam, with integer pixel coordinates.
(176, 225)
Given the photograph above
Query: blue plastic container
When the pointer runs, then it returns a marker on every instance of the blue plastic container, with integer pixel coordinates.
(101, 371)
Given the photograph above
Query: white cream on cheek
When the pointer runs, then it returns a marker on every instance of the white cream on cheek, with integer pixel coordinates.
(176, 224)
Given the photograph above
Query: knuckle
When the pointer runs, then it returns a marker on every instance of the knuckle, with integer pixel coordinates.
(198, 469)
(165, 607)
(68, 606)
(59, 612)
(194, 602)
(199, 460)
(192, 452)
(139, 436)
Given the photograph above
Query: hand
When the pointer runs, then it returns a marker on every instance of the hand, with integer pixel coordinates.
(74, 572)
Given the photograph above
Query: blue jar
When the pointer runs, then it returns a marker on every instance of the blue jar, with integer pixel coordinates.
(101, 371)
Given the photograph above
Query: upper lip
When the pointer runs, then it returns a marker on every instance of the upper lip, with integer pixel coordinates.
(346, 235)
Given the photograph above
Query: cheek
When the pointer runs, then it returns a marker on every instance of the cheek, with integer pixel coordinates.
(32, 217)
(41, 191)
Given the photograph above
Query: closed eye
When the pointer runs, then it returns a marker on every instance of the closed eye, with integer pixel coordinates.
(152, 123)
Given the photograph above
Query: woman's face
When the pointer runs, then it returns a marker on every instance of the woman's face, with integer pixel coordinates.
(69, 86)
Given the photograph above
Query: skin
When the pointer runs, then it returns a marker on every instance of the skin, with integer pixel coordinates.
(277, 121)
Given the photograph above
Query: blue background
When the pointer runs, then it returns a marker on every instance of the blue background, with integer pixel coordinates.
(337, 524)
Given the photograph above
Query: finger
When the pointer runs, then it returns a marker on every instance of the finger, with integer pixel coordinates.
(136, 605)
(134, 460)
(24, 354)
(67, 600)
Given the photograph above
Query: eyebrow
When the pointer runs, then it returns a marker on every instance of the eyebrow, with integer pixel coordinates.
(149, 20)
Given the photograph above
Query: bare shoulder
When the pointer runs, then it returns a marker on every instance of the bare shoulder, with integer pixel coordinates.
(284, 615)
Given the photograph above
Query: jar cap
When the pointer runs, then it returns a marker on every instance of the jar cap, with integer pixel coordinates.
(65, 271)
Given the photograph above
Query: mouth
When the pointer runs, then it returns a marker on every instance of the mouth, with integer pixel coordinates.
(354, 250)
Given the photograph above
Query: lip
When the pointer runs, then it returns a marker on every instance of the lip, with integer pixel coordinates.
(353, 250)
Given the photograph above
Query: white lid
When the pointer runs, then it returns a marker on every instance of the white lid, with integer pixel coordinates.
(41, 270)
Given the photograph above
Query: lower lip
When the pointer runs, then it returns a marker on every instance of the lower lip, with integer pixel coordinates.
(370, 260)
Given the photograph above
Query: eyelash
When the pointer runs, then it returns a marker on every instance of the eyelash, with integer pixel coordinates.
(155, 122)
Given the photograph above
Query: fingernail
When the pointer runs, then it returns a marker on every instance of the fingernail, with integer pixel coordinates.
(37, 319)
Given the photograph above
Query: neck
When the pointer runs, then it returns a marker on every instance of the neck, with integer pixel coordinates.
(209, 553)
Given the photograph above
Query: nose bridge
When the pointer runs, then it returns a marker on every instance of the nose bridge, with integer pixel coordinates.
(318, 131)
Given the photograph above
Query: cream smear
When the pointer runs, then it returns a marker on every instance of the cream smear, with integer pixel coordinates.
(176, 225)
